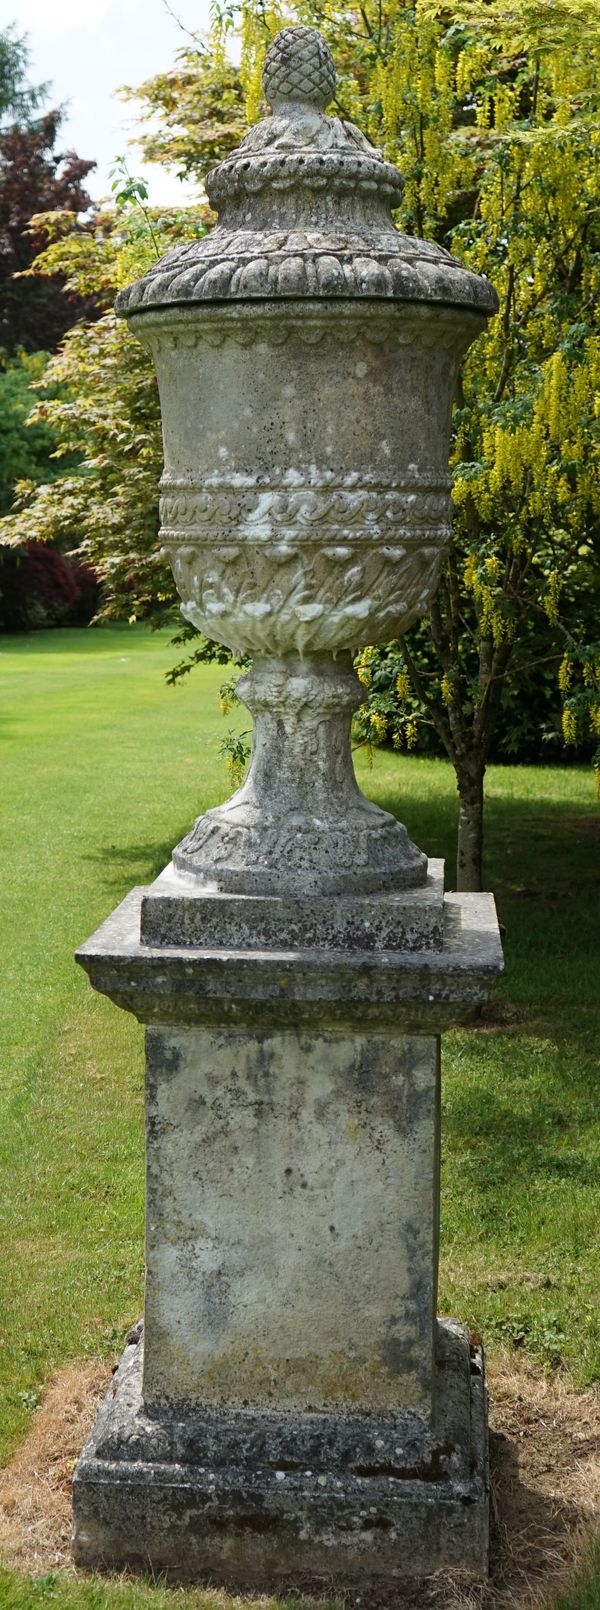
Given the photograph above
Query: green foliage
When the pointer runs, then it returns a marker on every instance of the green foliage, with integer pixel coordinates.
(235, 750)
(193, 115)
(579, 678)
(105, 509)
(391, 711)
(25, 449)
(132, 192)
(19, 99)
(530, 723)
(104, 415)
(204, 652)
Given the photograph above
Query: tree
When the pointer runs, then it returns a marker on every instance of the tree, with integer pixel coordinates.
(101, 403)
(32, 174)
(193, 115)
(491, 112)
(35, 178)
(18, 99)
(38, 587)
(492, 116)
(25, 450)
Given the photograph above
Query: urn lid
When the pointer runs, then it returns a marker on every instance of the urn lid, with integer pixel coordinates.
(304, 209)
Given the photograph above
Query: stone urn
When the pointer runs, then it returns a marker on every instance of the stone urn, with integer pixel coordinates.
(307, 354)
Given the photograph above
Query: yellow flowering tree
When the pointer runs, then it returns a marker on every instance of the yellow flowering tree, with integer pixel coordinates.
(491, 111)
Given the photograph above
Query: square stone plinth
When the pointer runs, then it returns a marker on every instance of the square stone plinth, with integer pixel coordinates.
(419, 991)
(264, 1497)
(296, 1412)
(292, 1217)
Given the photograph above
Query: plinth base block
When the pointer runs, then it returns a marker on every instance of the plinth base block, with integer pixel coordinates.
(176, 912)
(255, 1499)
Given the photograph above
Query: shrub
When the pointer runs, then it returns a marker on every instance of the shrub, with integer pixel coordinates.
(38, 587)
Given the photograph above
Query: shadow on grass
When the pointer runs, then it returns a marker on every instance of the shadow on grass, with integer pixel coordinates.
(535, 1535)
(545, 849)
(513, 1139)
(431, 823)
(124, 865)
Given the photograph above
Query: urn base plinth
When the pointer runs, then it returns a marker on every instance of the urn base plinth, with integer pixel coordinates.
(299, 825)
(177, 911)
(263, 1498)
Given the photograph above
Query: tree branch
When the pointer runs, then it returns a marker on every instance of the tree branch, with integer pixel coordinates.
(506, 361)
(437, 718)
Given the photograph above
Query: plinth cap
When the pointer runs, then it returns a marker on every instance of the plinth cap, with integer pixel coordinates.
(305, 211)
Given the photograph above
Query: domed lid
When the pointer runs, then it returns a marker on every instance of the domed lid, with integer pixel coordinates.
(305, 210)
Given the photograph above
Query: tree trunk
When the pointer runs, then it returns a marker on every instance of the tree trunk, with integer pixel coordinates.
(469, 856)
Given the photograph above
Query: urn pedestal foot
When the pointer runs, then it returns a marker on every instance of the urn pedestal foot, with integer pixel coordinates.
(259, 1499)
(300, 825)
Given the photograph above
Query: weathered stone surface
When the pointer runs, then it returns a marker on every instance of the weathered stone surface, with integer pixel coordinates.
(178, 911)
(299, 67)
(252, 1497)
(300, 1413)
(299, 825)
(420, 991)
(292, 1218)
(322, 531)
(307, 356)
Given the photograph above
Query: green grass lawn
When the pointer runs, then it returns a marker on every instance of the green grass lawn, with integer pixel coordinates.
(103, 769)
